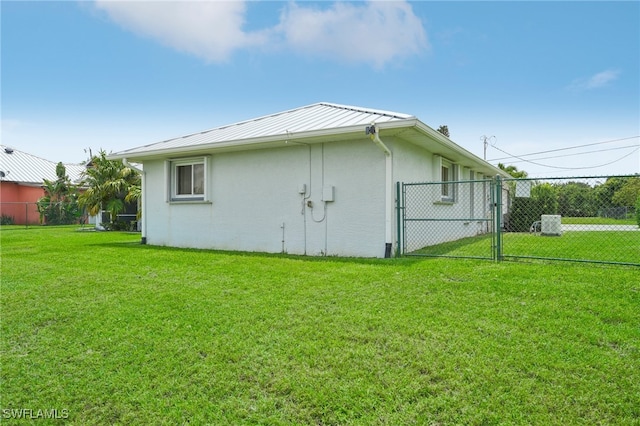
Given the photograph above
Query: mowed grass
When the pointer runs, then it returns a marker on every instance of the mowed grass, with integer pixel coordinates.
(119, 333)
(597, 246)
(585, 246)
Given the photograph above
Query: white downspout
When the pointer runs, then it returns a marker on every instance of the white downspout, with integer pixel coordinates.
(388, 199)
(143, 204)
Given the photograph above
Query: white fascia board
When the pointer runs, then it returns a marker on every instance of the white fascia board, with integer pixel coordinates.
(281, 140)
(444, 141)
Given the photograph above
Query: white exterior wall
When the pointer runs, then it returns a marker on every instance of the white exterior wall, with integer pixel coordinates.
(413, 164)
(255, 204)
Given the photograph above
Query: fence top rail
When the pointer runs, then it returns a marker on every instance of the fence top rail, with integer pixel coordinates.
(19, 202)
(446, 182)
(451, 219)
(568, 178)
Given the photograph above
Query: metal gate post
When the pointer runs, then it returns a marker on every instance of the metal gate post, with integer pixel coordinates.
(399, 220)
(498, 219)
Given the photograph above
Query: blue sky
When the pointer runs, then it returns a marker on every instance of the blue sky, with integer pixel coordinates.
(535, 76)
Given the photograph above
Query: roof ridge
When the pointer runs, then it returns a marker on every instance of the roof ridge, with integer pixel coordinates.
(400, 116)
(386, 113)
(3, 148)
(303, 120)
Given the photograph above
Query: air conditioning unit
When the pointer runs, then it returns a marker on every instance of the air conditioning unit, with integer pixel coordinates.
(551, 225)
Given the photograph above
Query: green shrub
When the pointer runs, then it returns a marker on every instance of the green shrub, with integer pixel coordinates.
(120, 225)
(524, 211)
(6, 220)
(638, 210)
(59, 212)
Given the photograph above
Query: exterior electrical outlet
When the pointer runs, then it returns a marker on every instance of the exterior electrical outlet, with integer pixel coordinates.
(328, 193)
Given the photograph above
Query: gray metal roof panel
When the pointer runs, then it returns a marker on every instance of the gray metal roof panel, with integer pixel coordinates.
(19, 166)
(310, 118)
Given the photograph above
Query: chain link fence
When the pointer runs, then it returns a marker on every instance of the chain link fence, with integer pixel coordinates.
(582, 219)
(60, 213)
(587, 219)
(41, 213)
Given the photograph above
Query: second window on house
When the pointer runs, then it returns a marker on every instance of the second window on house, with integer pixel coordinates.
(448, 175)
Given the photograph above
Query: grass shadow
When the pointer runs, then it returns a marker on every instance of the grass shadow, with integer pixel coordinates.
(392, 261)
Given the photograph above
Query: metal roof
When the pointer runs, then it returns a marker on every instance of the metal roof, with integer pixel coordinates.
(311, 118)
(18, 166)
(320, 122)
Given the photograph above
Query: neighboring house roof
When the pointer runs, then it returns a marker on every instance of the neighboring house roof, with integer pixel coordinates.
(18, 166)
(320, 122)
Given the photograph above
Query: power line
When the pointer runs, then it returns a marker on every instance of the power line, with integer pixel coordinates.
(580, 153)
(564, 149)
(568, 168)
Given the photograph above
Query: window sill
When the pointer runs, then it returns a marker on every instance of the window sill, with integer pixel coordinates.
(444, 203)
(190, 202)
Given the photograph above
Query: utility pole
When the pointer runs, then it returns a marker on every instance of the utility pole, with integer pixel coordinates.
(486, 140)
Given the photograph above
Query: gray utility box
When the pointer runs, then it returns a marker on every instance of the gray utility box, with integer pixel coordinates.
(551, 225)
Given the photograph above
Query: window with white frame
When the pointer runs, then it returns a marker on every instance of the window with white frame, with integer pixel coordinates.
(188, 179)
(448, 175)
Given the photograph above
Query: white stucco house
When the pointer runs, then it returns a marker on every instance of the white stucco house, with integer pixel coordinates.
(315, 180)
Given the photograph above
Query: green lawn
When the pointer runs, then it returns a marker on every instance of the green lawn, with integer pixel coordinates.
(596, 246)
(114, 332)
(601, 246)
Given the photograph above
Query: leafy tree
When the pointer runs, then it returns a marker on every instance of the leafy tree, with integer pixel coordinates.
(546, 196)
(605, 192)
(527, 210)
(513, 171)
(577, 199)
(444, 130)
(109, 183)
(628, 193)
(59, 205)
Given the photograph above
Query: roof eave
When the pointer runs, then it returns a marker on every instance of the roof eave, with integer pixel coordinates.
(447, 144)
(274, 141)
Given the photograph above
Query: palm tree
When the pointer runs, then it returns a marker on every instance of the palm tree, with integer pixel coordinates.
(58, 206)
(109, 182)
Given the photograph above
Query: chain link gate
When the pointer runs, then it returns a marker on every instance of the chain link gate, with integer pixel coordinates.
(452, 219)
(579, 219)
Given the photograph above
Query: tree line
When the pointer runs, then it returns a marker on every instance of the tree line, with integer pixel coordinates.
(616, 197)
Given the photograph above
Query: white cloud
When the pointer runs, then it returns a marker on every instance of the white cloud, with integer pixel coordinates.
(596, 81)
(210, 30)
(370, 32)
(602, 79)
